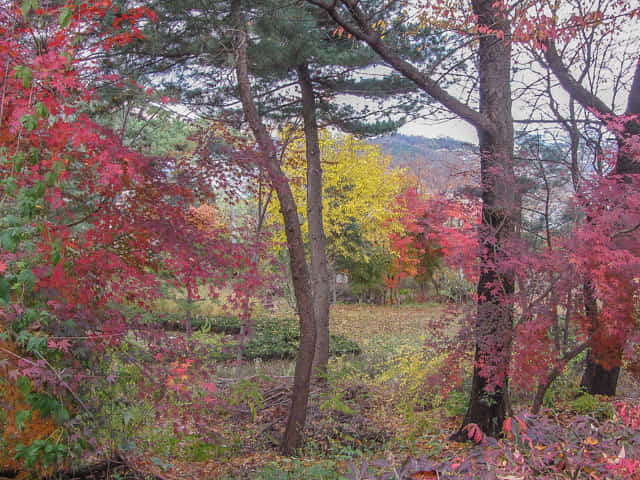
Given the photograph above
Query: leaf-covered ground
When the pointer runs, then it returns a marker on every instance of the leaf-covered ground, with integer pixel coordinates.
(379, 414)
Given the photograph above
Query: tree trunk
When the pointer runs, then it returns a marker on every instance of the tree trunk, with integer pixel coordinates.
(598, 380)
(489, 402)
(501, 204)
(333, 285)
(553, 374)
(299, 271)
(317, 239)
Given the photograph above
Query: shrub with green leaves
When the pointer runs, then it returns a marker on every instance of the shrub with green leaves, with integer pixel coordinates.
(270, 337)
(280, 338)
(590, 405)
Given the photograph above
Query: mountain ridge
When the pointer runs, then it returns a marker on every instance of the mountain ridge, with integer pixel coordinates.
(441, 165)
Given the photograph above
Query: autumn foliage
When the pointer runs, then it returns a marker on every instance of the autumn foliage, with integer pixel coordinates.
(88, 224)
(434, 231)
(94, 232)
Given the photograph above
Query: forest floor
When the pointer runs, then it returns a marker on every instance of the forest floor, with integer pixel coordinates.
(399, 399)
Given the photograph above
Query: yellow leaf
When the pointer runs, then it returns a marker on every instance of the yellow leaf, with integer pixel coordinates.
(590, 441)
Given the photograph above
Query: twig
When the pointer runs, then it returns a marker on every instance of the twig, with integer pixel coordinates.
(625, 231)
(66, 386)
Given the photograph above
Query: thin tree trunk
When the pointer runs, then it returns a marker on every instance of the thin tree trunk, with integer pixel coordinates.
(292, 438)
(317, 239)
(553, 374)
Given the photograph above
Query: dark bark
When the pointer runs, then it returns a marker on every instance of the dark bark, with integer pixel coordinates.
(292, 438)
(317, 239)
(583, 96)
(603, 368)
(489, 403)
(628, 163)
(500, 212)
(597, 379)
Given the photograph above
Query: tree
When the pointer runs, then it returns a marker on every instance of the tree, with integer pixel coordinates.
(289, 43)
(415, 245)
(195, 51)
(317, 239)
(299, 271)
(358, 193)
(605, 354)
(89, 226)
(295, 43)
(493, 121)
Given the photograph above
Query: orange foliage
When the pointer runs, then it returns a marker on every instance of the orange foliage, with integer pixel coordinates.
(12, 402)
(205, 217)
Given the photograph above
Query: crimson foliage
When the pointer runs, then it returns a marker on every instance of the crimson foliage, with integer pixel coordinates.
(89, 225)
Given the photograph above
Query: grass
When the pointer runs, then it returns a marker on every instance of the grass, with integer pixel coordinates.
(357, 415)
(379, 404)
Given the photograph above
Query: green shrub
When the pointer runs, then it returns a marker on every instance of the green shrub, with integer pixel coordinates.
(271, 337)
(227, 325)
(280, 338)
(295, 469)
(340, 345)
(590, 405)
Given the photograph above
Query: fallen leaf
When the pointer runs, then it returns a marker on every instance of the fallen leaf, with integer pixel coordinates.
(590, 441)
(425, 475)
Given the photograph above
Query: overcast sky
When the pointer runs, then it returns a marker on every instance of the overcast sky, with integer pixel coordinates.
(458, 129)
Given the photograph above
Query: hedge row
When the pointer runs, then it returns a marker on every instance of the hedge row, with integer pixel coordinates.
(270, 338)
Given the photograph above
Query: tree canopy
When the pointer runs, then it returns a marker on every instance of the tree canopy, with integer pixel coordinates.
(165, 166)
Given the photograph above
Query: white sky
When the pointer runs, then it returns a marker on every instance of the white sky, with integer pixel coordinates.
(457, 129)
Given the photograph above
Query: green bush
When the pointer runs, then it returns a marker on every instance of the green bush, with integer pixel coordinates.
(270, 338)
(340, 345)
(227, 325)
(296, 469)
(589, 405)
(273, 338)
(280, 338)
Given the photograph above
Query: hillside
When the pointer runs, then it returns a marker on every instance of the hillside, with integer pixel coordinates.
(441, 164)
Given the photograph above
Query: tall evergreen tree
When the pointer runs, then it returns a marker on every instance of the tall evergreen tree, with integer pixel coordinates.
(289, 44)
(296, 43)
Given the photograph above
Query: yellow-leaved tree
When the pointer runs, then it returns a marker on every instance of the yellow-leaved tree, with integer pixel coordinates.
(359, 191)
